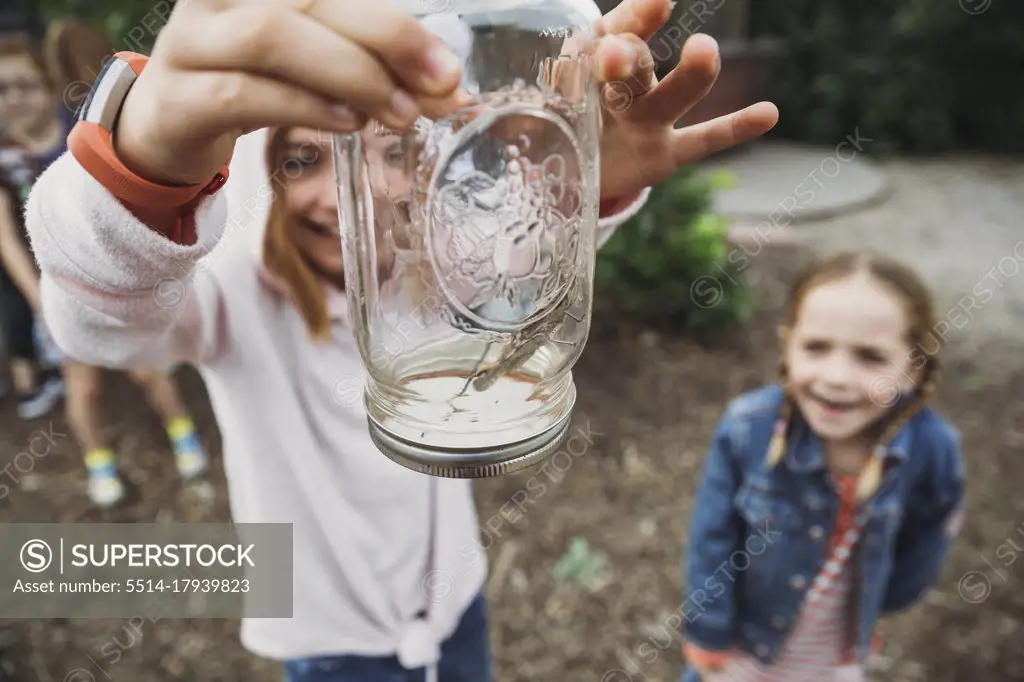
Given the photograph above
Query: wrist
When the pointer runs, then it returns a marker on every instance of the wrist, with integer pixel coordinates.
(154, 160)
(130, 146)
(112, 147)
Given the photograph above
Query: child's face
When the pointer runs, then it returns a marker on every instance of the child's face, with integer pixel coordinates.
(25, 97)
(311, 193)
(311, 198)
(848, 356)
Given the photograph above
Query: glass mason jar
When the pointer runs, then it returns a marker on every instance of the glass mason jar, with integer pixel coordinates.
(469, 243)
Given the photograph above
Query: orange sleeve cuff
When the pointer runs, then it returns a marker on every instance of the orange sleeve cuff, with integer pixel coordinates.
(609, 207)
(178, 225)
(709, 659)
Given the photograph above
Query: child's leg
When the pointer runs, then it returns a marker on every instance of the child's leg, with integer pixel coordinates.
(163, 394)
(466, 655)
(83, 405)
(85, 419)
(38, 392)
(16, 324)
(24, 375)
(36, 395)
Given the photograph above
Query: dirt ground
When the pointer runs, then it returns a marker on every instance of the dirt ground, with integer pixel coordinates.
(651, 402)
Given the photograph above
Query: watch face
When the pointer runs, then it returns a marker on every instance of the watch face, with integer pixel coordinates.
(102, 105)
(83, 110)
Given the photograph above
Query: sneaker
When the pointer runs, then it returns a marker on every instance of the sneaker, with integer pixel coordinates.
(189, 456)
(105, 486)
(43, 399)
(105, 490)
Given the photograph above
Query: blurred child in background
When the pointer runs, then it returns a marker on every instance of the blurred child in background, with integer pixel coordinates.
(831, 498)
(37, 126)
(36, 388)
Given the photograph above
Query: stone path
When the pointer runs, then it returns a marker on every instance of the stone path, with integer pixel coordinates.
(958, 220)
(800, 182)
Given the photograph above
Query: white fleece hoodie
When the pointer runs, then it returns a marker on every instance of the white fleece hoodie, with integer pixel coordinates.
(374, 543)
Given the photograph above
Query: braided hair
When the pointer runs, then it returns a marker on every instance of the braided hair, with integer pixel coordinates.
(905, 284)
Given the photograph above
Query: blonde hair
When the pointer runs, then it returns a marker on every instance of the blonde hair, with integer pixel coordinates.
(285, 260)
(903, 282)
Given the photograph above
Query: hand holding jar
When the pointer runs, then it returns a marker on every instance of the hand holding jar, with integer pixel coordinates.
(497, 207)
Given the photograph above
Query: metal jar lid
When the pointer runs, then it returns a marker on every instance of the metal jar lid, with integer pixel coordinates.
(475, 462)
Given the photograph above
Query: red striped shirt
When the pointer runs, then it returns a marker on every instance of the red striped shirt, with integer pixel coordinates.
(817, 648)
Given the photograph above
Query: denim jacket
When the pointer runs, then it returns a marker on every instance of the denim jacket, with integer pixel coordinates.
(758, 537)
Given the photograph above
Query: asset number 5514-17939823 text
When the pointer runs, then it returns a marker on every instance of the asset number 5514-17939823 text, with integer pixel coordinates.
(189, 585)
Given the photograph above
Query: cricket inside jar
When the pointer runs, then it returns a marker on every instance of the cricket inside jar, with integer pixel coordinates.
(469, 245)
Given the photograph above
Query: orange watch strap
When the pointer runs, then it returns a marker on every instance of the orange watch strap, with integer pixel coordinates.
(134, 59)
(92, 147)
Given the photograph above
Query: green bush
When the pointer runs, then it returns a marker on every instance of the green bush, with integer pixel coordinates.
(667, 267)
(130, 24)
(913, 75)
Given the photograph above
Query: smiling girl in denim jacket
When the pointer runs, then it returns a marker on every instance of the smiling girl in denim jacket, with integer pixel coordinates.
(830, 498)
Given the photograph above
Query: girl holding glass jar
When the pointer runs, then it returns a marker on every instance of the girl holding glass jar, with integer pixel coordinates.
(265, 318)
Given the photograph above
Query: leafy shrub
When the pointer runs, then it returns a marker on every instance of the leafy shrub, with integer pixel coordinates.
(914, 75)
(668, 266)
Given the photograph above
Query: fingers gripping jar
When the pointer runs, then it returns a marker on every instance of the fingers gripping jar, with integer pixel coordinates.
(469, 243)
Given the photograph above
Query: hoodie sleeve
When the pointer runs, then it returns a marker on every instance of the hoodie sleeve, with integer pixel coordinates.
(932, 520)
(618, 212)
(116, 293)
(716, 530)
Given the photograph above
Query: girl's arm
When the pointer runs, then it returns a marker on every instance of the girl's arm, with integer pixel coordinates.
(14, 255)
(115, 291)
(931, 521)
(715, 533)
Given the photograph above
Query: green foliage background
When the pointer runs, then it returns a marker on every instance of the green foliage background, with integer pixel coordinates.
(920, 75)
(668, 267)
(130, 24)
(914, 75)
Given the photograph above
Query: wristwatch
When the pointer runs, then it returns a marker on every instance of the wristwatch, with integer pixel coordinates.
(91, 140)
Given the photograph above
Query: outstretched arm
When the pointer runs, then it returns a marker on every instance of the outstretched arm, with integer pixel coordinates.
(115, 291)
